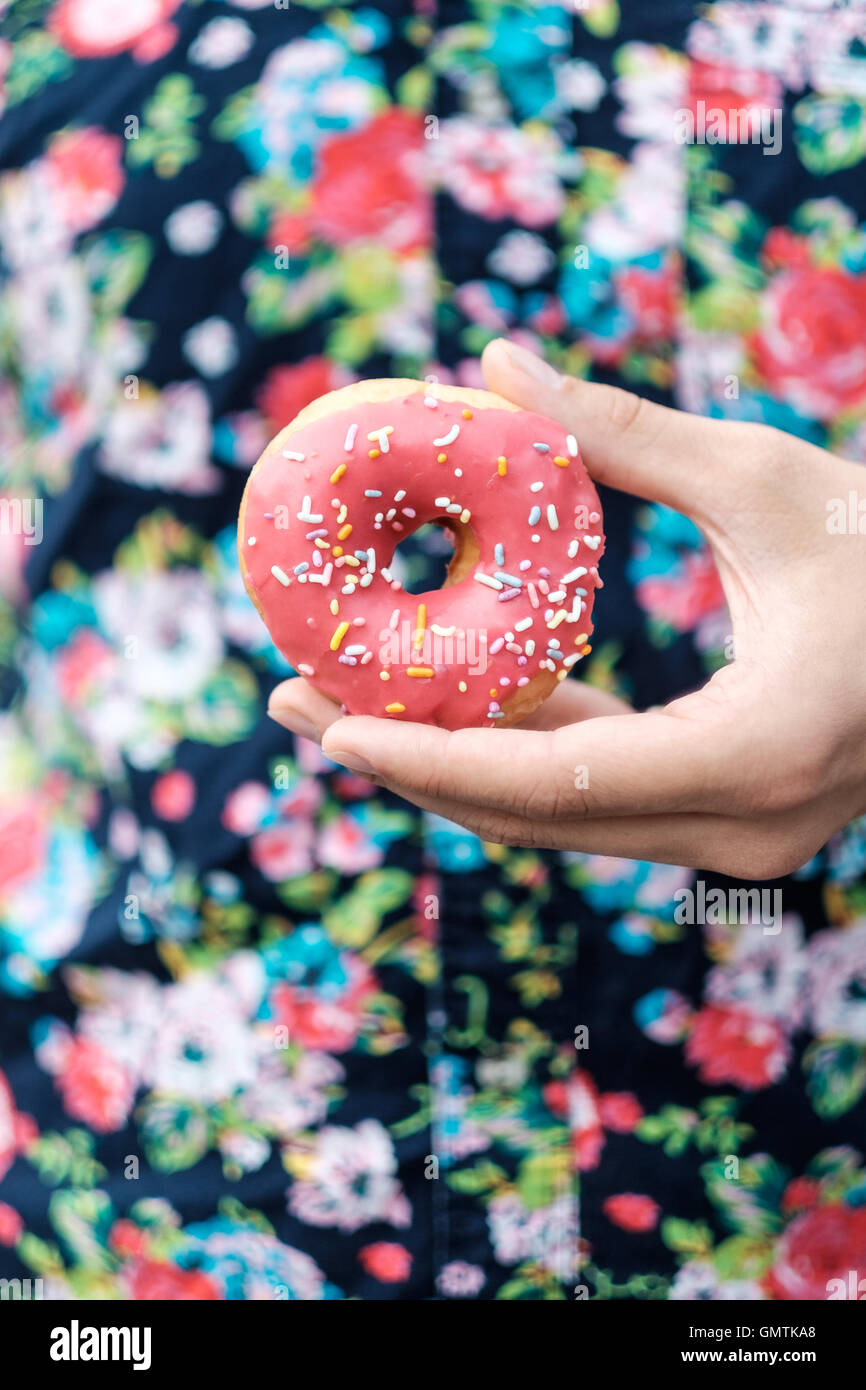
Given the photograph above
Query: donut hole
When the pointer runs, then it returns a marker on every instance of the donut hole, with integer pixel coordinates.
(439, 553)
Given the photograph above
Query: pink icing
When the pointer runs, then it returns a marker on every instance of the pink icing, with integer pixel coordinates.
(473, 634)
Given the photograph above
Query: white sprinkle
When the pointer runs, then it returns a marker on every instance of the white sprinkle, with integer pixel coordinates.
(442, 631)
(350, 438)
(296, 458)
(552, 518)
(304, 669)
(355, 649)
(394, 618)
(366, 581)
(306, 515)
(381, 437)
(386, 575)
(280, 575)
(368, 656)
(573, 574)
(558, 596)
(371, 560)
(535, 487)
(431, 402)
(448, 438)
(530, 646)
(533, 596)
(570, 660)
(523, 625)
(399, 495)
(251, 540)
(458, 472)
(571, 442)
(455, 507)
(572, 549)
(442, 502)
(486, 579)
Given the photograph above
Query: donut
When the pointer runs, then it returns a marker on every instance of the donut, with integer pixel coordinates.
(360, 469)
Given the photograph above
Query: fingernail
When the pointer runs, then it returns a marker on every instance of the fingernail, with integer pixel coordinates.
(295, 722)
(353, 761)
(531, 365)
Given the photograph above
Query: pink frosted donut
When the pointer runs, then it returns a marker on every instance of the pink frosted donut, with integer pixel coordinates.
(357, 472)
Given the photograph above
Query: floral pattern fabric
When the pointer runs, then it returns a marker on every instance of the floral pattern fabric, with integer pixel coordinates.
(266, 1031)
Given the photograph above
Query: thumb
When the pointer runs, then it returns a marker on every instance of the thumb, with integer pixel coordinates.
(627, 442)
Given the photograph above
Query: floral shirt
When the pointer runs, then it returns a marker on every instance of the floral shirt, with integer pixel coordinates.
(267, 1031)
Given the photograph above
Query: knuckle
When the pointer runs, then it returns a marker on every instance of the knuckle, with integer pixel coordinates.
(626, 411)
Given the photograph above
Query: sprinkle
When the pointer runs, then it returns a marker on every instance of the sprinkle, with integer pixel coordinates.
(386, 575)
(336, 551)
(350, 438)
(373, 453)
(384, 675)
(296, 458)
(304, 669)
(458, 472)
(448, 438)
(390, 514)
(570, 660)
(380, 437)
(585, 651)
(555, 621)
(552, 518)
(465, 515)
(542, 448)
(580, 639)
(408, 511)
(535, 516)
(442, 631)
(441, 501)
(420, 671)
(525, 565)
(281, 576)
(334, 607)
(507, 594)
(269, 516)
(398, 496)
(524, 680)
(366, 580)
(371, 560)
(368, 656)
(523, 625)
(533, 596)
(572, 550)
(395, 616)
(571, 444)
(467, 414)
(509, 579)
(317, 558)
(337, 473)
(301, 568)
(348, 660)
(512, 647)
(535, 539)
(496, 646)
(462, 687)
(395, 708)
(372, 492)
(251, 540)
(356, 649)
(431, 402)
(573, 574)
(530, 646)
(502, 465)
(486, 579)
(306, 515)
(421, 617)
(339, 634)
(560, 461)
(441, 458)
(454, 507)
(499, 553)
(344, 532)
(535, 487)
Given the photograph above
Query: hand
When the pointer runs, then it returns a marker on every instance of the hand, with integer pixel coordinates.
(748, 775)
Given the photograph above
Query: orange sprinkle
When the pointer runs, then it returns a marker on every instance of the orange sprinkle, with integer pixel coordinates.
(337, 473)
(560, 461)
(441, 458)
(493, 691)
(395, 708)
(384, 675)
(502, 465)
(467, 414)
(585, 651)
(337, 551)
(373, 453)
(339, 634)
(344, 531)
(420, 671)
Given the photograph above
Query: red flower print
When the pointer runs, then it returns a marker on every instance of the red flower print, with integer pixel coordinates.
(22, 844)
(632, 1211)
(800, 1194)
(16, 1130)
(95, 1087)
(732, 89)
(173, 795)
(11, 1224)
(368, 185)
(100, 28)
(286, 390)
(87, 167)
(620, 1111)
(386, 1261)
(157, 1280)
(732, 1045)
(811, 346)
(821, 1245)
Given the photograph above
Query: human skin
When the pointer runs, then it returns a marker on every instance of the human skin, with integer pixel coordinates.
(750, 774)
